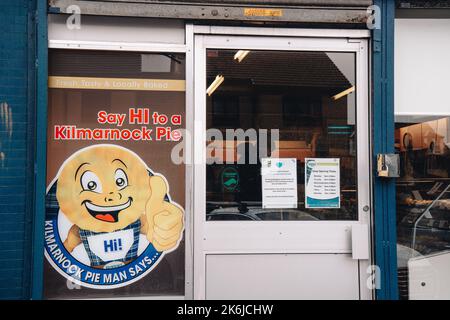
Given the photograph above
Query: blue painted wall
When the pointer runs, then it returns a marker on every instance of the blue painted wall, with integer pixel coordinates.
(383, 142)
(17, 105)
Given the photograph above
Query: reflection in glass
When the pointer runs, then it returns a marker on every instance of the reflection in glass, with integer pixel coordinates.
(304, 101)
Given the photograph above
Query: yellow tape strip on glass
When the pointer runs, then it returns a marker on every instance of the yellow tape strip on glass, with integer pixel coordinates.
(116, 84)
(261, 12)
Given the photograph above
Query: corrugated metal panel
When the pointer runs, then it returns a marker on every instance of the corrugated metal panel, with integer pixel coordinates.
(316, 3)
(299, 11)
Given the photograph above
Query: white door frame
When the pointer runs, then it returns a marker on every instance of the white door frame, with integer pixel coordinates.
(206, 237)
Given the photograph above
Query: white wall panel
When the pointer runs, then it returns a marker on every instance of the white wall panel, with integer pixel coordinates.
(117, 29)
(422, 67)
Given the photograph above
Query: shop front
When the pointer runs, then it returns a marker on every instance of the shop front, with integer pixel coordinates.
(212, 151)
(206, 162)
(233, 149)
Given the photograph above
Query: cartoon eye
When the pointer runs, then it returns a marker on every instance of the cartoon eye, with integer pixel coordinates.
(121, 179)
(90, 182)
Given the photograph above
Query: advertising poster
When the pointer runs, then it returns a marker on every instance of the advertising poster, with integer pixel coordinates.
(114, 222)
(279, 182)
(322, 183)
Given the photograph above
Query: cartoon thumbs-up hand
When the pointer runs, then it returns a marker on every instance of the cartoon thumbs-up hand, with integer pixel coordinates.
(164, 219)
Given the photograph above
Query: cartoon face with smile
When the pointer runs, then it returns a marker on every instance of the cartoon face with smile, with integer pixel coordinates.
(103, 188)
(109, 195)
(114, 210)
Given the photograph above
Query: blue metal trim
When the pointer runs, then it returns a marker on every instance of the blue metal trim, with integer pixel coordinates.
(30, 146)
(40, 150)
(383, 142)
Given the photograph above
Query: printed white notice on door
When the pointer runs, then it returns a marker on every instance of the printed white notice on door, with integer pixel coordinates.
(322, 183)
(279, 182)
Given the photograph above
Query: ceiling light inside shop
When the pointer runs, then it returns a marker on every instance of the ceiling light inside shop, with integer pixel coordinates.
(215, 84)
(240, 55)
(343, 93)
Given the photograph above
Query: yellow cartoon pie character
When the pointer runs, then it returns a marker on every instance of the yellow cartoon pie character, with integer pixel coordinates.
(110, 197)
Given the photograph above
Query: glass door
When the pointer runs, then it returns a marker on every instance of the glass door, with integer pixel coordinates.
(282, 170)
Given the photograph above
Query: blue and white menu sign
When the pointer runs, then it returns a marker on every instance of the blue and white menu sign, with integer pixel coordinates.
(322, 183)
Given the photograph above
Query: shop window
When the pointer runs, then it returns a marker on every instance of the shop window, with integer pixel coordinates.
(423, 205)
(112, 123)
(422, 140)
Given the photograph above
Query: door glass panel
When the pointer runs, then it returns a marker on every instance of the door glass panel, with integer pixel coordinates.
(282, 106)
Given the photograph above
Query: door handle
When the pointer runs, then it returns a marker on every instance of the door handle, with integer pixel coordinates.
(360, 241)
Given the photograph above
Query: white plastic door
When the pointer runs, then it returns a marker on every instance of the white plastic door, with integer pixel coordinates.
(325, 256)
